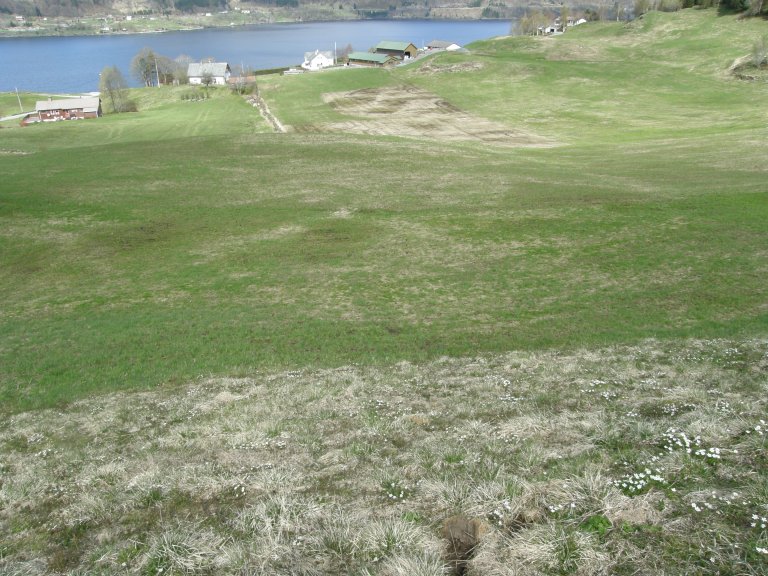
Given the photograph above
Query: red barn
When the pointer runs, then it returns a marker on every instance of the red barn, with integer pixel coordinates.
(69, 109)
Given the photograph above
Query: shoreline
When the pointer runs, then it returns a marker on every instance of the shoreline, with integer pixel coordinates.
(91, 28)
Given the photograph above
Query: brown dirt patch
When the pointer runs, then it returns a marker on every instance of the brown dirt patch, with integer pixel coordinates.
(433, 67)
(411, 112)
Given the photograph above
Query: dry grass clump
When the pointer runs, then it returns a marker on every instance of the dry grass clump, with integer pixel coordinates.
(613, 461)
(416, 113)
(435, 67)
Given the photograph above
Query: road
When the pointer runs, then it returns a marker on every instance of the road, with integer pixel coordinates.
(15, 116)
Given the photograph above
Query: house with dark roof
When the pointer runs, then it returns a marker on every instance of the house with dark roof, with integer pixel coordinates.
(217, 72)
(370, 59)
(68, 109)
(400, 50)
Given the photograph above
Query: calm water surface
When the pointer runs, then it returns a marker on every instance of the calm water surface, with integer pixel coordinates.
(72, 64)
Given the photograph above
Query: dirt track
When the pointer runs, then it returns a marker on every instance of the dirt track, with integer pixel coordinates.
(414, 113)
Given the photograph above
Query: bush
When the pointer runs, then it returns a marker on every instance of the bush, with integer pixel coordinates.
(242, 87)
(670, 5)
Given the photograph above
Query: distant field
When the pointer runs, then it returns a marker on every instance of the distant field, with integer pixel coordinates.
(532, 310)
(187, 240)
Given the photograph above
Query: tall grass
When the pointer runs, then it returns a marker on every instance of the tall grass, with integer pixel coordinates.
(630, 459)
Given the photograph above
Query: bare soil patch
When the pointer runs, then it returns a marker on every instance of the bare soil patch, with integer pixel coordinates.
(434, 67)
(743, 69)
(411, 112)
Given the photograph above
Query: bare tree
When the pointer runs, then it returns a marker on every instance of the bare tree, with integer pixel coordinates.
(114, 90)
(541, 20)
(143, 67)
(526, 25)
(533, 22)
(602, 11)
(182, 67)
(166, 69)
(755, 7)
(641, 7)
(344, 52)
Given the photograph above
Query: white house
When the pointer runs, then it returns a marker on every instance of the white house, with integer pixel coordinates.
(317, 60)
(218, 72)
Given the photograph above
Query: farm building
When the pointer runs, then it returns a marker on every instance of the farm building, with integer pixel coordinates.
(69, 109)
(443, 45)
(218, 72)
(317, 60)
(400, 50)
(370, 59)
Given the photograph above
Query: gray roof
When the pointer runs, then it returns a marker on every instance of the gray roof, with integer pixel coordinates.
(198, 69)
(395, 46)
(369, 57)
(309, 55)
(440, 44)
(89, 104)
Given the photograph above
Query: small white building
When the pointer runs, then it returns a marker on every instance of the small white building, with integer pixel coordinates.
(218, 72)
(317, 60)
(443, 45)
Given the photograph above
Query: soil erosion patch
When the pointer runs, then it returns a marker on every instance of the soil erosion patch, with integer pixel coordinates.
(415, 113)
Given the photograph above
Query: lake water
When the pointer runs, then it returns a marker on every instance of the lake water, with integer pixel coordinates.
(72, 64)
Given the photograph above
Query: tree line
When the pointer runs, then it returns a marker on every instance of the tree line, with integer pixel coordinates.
(149, 68)
(152, 69)
(745, 7)
(534, 21)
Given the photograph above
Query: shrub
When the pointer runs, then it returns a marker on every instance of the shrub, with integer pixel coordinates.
(670, 5)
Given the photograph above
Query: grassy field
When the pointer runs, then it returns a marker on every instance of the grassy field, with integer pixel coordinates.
(196, 281)
(9, 103)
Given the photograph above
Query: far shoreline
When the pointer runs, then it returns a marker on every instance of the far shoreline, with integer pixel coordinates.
(87, 27)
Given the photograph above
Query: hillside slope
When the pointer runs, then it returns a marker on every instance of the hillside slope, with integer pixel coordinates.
(321, 246)
(539, 347)
(363, 9)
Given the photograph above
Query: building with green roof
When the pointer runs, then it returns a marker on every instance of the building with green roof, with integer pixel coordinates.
(399, 50)
(370, 59)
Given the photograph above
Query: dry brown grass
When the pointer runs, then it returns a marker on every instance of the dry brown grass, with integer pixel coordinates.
(356, 469)
(412, 112)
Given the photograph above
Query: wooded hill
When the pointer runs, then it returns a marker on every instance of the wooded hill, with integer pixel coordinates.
(474, 9)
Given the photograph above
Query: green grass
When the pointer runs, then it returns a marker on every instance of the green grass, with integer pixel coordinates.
(9, 103)
(185, 239)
